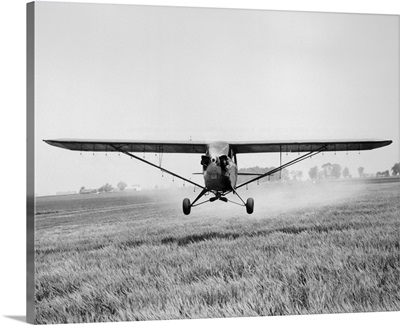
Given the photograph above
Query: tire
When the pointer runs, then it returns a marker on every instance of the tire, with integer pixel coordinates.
(250, 205)
(186, 206)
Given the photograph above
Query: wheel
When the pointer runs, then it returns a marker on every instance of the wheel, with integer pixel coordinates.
(250, 205)
(186, 206)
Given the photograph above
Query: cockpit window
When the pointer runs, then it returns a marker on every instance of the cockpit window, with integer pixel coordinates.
(218, 149)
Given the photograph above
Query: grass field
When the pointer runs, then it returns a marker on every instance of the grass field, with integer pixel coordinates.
(308, 248)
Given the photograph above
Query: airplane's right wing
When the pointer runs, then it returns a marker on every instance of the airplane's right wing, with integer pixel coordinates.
(130, 145)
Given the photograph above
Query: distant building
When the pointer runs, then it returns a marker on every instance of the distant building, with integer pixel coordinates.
(66, 193)
(87, 191)
(136, 187)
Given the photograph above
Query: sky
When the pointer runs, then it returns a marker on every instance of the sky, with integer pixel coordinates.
(162, 73)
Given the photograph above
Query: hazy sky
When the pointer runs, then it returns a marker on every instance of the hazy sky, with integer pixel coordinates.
(137, 72)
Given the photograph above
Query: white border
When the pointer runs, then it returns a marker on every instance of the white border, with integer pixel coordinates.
(13, 189)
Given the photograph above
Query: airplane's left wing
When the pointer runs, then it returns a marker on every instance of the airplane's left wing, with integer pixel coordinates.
(307, 145)
(130, 146)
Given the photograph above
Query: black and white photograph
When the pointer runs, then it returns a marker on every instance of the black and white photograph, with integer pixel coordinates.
(207, 163)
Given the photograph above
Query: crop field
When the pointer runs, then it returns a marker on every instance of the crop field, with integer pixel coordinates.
(308, 248)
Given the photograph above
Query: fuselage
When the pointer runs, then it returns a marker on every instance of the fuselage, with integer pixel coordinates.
(219, 169)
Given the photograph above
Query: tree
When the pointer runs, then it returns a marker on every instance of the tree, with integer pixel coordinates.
(300, 174)
(106, 188)
(336, 171)
(313, 173)
(360, 171)
(327, 170)
(383, 174)
(345, 172)
(285, 175)
(296, 175)
(396, 169)
(122, 185)
(82, 190)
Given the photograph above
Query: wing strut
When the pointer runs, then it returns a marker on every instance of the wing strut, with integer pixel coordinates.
(158, 167)
(292, 162)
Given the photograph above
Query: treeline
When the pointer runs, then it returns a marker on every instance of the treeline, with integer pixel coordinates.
(103, 189)
(284, 174)
(326, 171)
(395, 171)
(334, 171)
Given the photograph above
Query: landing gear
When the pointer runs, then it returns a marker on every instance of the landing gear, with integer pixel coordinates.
(250, 205)
(186, 206)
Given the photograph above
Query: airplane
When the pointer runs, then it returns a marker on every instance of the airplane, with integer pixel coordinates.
(219, 159)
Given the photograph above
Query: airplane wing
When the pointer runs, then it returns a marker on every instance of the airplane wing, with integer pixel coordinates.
(307, 146)
(130, 146)
(201, 147)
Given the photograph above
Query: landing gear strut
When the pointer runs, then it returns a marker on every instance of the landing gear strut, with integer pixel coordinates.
(187, 205)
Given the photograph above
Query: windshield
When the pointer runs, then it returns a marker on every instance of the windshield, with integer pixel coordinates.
(218, 149)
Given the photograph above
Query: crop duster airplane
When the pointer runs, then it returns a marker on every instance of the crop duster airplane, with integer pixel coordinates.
(219, 159)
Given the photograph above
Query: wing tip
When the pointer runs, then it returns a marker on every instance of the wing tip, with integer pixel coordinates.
(385, 143)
